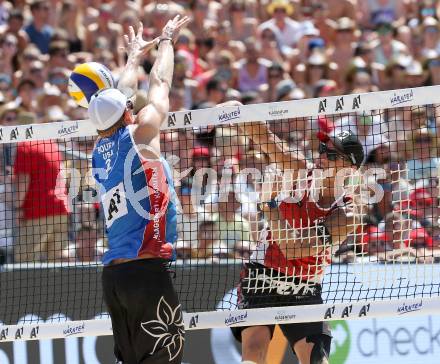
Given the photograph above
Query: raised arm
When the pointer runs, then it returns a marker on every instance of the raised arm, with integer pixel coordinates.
(151, 117)
(135, 47)
(273, 146)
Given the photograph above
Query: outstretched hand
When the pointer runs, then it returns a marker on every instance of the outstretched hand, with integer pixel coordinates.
(172, 28)
(135, 45)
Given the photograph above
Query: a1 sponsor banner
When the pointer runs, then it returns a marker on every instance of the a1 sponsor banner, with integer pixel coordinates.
(224, 115)
(411, 336)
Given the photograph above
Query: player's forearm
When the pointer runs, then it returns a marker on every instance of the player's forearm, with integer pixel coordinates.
(301, 248)
(294, 243)
(273, 146)
(128, 81)
(21, 189)
(162, 71)
(160, 79)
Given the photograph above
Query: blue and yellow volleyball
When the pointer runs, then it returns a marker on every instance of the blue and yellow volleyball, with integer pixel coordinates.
(86, 79)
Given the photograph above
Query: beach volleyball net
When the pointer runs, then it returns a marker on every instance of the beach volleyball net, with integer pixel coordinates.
(229, 186)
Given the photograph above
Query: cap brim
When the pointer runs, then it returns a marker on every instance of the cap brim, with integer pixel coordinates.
(337, 144)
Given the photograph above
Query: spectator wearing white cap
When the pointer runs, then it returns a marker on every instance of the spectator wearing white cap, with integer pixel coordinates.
(423, 161)
(430, 33)
(344, 47)
(290, 30)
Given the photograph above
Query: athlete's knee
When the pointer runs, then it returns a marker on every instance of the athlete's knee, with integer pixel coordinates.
(321, 349)
(255, 342)
(254, 346)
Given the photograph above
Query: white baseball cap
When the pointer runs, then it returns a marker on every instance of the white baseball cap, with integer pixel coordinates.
(106, 108)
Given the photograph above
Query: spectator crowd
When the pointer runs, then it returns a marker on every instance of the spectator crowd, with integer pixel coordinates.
(249, 50)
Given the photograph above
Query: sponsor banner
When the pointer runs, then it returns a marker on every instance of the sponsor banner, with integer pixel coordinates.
(65, 129)
(227, 318)
(313, 313)
(245, 113)
(47, 330)
(412, 340)
(411, 336)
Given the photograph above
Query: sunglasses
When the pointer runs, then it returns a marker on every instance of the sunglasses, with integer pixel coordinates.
(423, 140)
(434, 63)
(384, 31)
(62, 53)
(268, 36)
(58, 80)
(9, 118)
(30, 57)
(275, 75)
(431, 30)
(331, 154)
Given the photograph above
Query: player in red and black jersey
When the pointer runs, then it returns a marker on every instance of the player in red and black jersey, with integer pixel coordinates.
(294, 247)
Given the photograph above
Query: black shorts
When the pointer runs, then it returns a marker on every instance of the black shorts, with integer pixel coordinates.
(264, 287)
(145, 312)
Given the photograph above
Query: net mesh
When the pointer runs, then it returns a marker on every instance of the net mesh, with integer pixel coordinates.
(236, 225)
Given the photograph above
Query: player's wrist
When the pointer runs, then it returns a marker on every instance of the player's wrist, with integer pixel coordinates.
(165, 40)
(271, 204)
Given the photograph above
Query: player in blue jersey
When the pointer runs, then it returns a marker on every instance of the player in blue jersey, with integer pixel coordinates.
(138, 199)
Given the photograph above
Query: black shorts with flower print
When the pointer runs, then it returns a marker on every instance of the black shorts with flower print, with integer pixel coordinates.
(145, 312)
(261, 287)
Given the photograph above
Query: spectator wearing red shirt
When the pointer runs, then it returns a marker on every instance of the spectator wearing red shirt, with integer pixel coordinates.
(43, 216)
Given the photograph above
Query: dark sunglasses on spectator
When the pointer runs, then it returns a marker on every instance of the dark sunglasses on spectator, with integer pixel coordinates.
(384, 29)
(268, 36)
(10, 118)
(431, 30)
(237, 8)
(279, 10)
(345, 30)
(202, 7)
(275, 75)
(332, 154)
(58, 80)
(434, 63)
(9, 44)
(44, 8)
(30, 57)
(425, 139)
(36, 70)
(61, 54)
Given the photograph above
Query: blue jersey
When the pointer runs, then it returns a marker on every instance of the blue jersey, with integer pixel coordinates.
(137, 196)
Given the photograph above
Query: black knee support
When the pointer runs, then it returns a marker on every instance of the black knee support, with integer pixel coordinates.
(321, 348)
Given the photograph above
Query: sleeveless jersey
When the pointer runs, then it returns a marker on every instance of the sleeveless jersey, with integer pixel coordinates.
(137, 197)
(302, 214)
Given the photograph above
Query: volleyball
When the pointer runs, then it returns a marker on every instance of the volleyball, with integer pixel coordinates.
(86, 79)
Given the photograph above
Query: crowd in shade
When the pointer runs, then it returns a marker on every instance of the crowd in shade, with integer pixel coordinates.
(249, 50)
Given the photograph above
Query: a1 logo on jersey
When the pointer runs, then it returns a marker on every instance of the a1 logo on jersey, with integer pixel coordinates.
(114, 204)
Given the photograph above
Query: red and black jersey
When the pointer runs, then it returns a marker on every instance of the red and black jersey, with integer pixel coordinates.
(305, 213)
